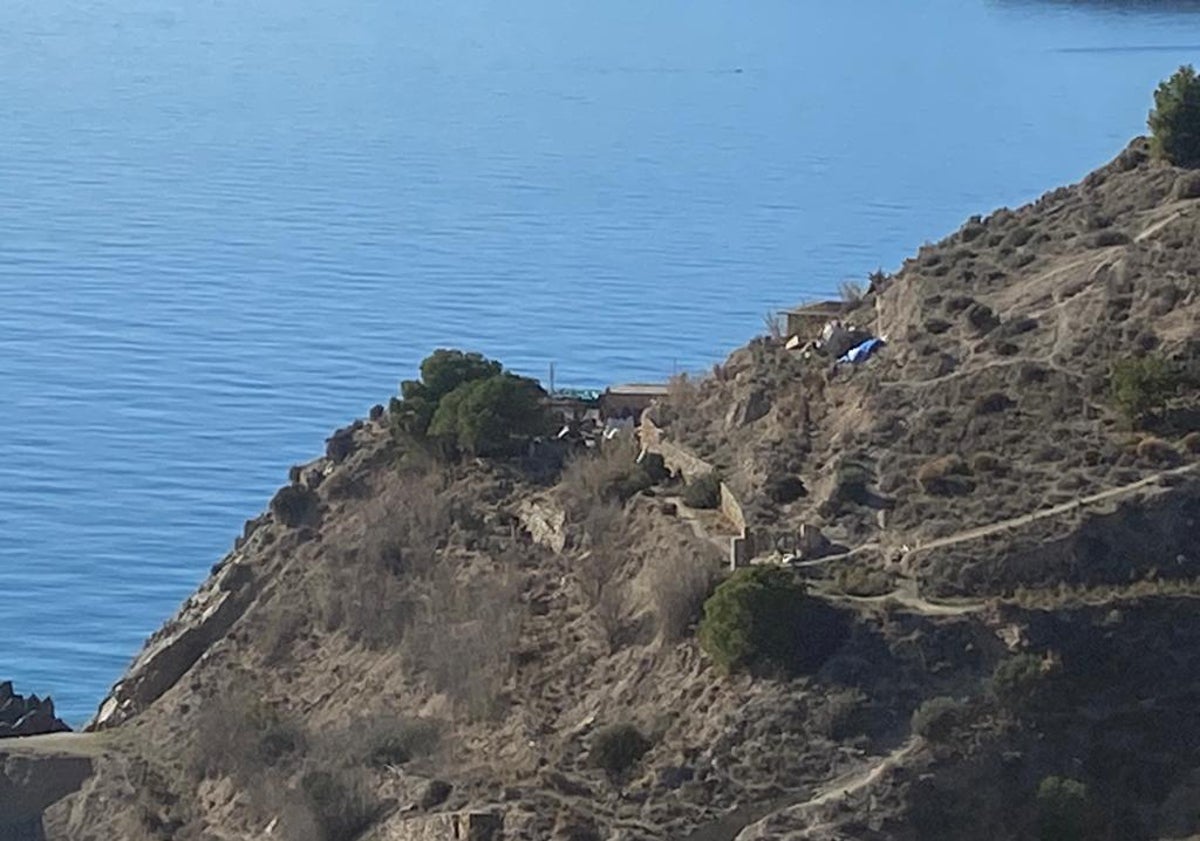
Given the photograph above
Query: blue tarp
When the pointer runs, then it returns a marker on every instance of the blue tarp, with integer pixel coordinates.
(860, 352)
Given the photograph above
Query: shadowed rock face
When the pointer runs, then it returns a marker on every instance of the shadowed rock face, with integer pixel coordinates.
(20, 716)
(29, 784)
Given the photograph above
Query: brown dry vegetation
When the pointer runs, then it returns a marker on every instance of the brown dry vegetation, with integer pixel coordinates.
(404, 646)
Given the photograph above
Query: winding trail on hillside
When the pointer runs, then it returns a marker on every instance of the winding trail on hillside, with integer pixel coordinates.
(908, 595)
(1045, 513)
(835, 790)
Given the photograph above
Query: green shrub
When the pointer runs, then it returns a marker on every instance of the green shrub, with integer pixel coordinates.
(762, 617)
(617, 748)
(936, 719)
(704, 492)
(1175, 119)
(1065, 810)
(1141, 386)
(655, 466)
(1016, 681)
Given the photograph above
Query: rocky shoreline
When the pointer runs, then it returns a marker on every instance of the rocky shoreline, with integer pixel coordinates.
(32, 716)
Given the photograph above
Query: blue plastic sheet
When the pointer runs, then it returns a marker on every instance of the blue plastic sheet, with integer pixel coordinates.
(860, 352)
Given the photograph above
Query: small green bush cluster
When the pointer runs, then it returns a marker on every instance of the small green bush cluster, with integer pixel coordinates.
(617, 748)
(1175, 119)
(761, 616)
(1141, 386)
(1016, 681)
(465, 402)
(936, 719)
(1065, 810)
(704, 492)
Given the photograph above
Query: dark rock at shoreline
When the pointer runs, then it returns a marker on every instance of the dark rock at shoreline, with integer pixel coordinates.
(20, 716)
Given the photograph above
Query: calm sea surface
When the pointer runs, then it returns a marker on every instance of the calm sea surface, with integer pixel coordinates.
(228, 226)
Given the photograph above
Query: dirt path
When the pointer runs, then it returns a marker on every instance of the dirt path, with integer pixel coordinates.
(58, 744)
(695, 522)
(1044, 513)
(908, 596)
(833, 791)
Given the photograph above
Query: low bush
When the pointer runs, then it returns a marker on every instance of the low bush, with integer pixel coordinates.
(936, 719)
(946, 475)
(992, 403)
(986, 463)
(1141, 386)
(863, 581)
(785, 489)
(761, 617)
(403, 741)
(341, 803)
(609, 474)
(1065, 810)
(1157, 451)
(704, 492)
(616, 749)
(679, 584)
(1017, 681)
(1108, 237)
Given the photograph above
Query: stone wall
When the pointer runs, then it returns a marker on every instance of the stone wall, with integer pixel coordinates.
(690, 467)
(451, 826)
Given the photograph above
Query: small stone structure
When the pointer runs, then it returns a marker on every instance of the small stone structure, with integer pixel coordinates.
(630, 400)
(809, 320)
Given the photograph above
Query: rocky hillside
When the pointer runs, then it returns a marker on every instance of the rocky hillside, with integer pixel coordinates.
(403, 648)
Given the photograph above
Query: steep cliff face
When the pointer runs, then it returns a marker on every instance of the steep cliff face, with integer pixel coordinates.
(402, 648)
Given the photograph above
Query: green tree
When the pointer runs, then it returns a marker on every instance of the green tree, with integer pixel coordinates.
(490, 417)
(442, 372)
(761, 616)
(1141, 386)
(1175, 119)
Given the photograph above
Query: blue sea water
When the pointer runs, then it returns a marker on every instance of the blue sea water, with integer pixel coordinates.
(228, 226)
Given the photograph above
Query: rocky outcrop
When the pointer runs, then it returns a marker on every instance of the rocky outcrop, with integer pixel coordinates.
(30, 784)
(204, 619)
(20, 716)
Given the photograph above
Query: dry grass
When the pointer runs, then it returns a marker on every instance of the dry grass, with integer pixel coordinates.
(679, 582)
(464, 635)
(610, 474)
